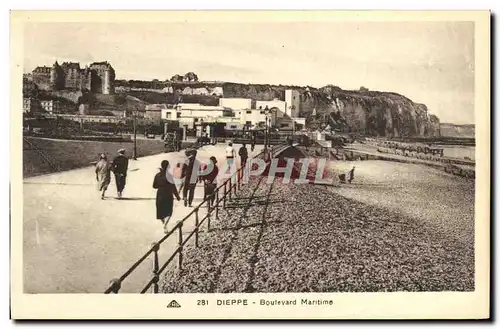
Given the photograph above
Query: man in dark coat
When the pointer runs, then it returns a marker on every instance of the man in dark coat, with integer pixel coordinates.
(243, 153)
(210, 180)
(120, 167)
(190, 172)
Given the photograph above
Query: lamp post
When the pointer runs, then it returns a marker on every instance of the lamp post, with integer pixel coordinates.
(135, 133)
(265, 137)
(266, 132)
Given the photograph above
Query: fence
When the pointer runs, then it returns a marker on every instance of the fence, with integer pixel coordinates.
(32, 147)
(221, 194)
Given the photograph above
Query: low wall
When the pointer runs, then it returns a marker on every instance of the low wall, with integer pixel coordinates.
(427, 156)
(70, 154)
(455, 169)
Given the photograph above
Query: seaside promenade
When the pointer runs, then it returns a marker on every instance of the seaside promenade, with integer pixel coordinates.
(74, 242)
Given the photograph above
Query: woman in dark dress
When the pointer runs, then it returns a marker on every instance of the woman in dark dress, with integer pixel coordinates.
(165, 193)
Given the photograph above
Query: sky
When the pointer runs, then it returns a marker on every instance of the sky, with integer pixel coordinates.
(429, 62)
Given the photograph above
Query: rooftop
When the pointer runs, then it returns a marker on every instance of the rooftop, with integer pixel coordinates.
(105, 63)
(197, 106)
(71, 65)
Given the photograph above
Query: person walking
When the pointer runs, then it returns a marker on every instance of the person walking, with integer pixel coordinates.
(190, 176)
(119, 168)
(103, 174)
(252, 144)
(165, 192)
(210, 180)
(230, 155)
(243, 153)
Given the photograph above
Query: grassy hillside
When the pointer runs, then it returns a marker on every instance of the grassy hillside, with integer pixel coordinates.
(66, 155)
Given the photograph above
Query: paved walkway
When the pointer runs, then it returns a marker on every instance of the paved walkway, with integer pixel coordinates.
(74, 242)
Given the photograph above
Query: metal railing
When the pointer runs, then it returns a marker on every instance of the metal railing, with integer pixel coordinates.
(42, 154)
(220, 194)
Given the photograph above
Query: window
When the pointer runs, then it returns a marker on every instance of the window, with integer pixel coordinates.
(249, 112)
(169, 115)
(178, 115)
(195, 119)
(248, 123)
(233, 126)
(284, 125)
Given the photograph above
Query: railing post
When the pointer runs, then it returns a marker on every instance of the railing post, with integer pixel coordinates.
(224, 197)
(115, 285)
(180, 246)
(156, 267)
(197, 223)
(216, 210)
(210, 209)
(230, 187)
(238, 179)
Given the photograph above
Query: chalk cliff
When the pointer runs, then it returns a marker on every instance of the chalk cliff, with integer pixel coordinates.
(362, 111)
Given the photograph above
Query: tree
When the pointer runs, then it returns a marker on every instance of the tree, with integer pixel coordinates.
(155, 84)
(363, 89)
(176, 78)
(190, 76)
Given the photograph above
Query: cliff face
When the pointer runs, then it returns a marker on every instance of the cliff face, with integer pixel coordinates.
(371, 113)
(382, 113)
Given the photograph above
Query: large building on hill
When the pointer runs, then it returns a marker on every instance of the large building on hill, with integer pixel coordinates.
(99, 77)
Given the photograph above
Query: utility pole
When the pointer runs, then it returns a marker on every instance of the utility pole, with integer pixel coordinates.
(135, 134)
(265, 138)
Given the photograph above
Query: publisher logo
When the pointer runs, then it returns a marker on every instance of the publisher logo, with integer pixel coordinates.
(173, 304)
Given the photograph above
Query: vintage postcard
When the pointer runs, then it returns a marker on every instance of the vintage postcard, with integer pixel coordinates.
(250, 165)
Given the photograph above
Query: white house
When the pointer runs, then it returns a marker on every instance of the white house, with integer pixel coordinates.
(237, 103)
(255, 117)
(278, 106)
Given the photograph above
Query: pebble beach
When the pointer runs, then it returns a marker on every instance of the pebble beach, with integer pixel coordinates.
(397, 227)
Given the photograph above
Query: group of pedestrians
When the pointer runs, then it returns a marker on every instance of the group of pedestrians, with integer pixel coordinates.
(189, 173)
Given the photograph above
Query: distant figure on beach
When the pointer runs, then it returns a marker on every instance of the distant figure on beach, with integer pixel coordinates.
(119, 168)
(350, 175)
(243, 153)
(103, 174)
(190, 176)
(165, 192)
(210, 180)
(252, 144)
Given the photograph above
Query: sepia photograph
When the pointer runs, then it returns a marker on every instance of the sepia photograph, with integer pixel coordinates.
(233, 162)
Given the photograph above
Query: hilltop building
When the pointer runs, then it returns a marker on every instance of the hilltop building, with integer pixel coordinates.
(99, 77)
